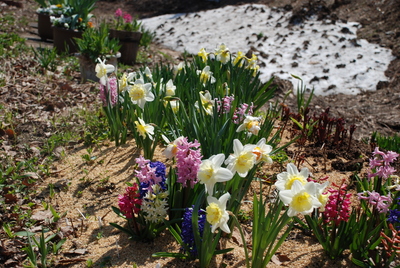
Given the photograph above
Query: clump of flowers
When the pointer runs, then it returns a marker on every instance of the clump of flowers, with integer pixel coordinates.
(54, 10)
(380, 164)
(145, 203)
(125, 22)
(380, 202)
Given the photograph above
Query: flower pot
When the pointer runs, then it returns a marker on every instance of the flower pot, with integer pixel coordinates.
(63, 40)
(88, 67)
(129, 42)
(45, 30)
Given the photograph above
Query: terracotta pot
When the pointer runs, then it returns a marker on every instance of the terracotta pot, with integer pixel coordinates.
(129, 42)
(88, 67)
(45, 30)
(64, 40)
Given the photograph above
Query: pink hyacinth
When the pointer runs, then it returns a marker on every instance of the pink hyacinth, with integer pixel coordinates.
(337, 208)
(241, 112)
(224, 107)
(145, 173)
(112, 92)
(129, 203)
(188, 160)
(118, 13)
(381, 202)
(127, 18)
(380, 164)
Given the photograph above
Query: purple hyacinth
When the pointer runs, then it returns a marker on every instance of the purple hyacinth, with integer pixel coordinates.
(187, 229)
(394, 216)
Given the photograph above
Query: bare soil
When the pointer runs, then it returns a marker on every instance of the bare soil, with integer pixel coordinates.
(87, 198)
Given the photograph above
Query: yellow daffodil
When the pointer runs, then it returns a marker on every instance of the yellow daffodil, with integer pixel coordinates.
(211, 172)
(242, 159)
(203, 54)
(216, 213)
(300, 198)
(144, 129)
(222, 53)
(286, 179)
(238, 59)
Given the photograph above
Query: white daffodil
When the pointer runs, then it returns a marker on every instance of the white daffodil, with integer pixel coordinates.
(222, 53)
(300, 198)
(203, 54)
(144, 129)
(148, 73)
(172, 147)
(102, 70)
(207, 102)
(242, 159)
(250, 124)
(206, 75)
(210, 172)
(178, 68)
(319, 193)
(262, 152)
(169, 88)
(140, 93)
(285, 179)
(216, 213)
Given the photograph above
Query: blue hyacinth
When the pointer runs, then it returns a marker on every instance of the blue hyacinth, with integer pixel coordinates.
(187, 229)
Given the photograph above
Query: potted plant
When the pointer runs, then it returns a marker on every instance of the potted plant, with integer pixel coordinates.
(127, 30)
(47, 8)
(96, 43)
(74, 20)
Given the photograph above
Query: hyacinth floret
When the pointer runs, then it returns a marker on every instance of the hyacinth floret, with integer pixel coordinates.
(337, 207)
(380, 164)
(109, 93)
(242, 111)
(187, 229)
(130, 201)
(224, 105)
(394, 216)
(149, 174)
(188, 160)
(380, 202)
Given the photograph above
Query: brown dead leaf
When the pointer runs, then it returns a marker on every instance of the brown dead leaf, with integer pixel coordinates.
(42, 215)
(78, 251)
(10, 198)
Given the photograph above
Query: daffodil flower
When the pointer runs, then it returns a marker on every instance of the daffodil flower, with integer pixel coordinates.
(300, 198)
(242, 159)
(206, 75)
(172, 147)
(203, 54)
(216, 213)
(210, 172)
(144, 129)
(238, 59)
(148, 73)
(102, 70)
(250, 124)
(319, 193)
(262, 152)
(169, 88)
(140, 93)
(222, 53)
(286, 179)
(178, 68)
(207, 102)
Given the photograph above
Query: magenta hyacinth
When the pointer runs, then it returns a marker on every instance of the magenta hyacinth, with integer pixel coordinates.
(337, 208)
(129, 203)
(118, 13)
